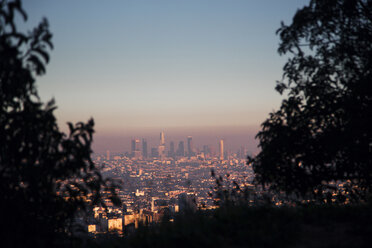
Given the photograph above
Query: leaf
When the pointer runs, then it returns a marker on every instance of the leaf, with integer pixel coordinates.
(42, 53)
(38, 65)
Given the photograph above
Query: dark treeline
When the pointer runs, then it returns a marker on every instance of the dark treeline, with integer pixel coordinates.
(321, 135)
(46, 176)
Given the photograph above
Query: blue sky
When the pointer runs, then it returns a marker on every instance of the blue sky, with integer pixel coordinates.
(158, 65)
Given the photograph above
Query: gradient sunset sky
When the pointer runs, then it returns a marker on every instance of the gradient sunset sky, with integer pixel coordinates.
(190, 67)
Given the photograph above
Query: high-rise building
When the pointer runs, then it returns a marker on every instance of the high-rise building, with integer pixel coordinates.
(190, 148)
(206, 151)
(171, 149)
(107, 155)
(135, 148)
(221, 149)
(134, 144)
(162, 139)
(161, 151)
(161, 148)
(144, 148)
(181, 149)
(154, 152)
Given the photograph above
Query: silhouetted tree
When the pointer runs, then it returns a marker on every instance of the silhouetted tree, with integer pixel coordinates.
(46, 176)
(321, 135)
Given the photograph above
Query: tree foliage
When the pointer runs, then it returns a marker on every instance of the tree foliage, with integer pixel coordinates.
(46, 176)
(321, 135)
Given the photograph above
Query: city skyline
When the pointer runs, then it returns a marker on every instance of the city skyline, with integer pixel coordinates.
(166, 148)
(233, 140)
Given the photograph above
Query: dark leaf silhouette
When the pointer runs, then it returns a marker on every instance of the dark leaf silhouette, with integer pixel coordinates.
(47, 178)
(319, 143)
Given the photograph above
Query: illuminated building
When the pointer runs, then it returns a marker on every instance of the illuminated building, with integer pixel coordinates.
(135, 148)
(115, 225)
(162, 139)
(221, 150)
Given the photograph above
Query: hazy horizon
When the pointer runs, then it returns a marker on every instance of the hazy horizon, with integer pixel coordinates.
(234, 138)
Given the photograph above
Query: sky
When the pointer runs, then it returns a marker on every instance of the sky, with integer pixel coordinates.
(185, 67)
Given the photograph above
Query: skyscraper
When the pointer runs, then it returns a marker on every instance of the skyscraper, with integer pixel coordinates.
(221, 150)
(161, 151)
(144, 148)
(161, 148)
(154, 152)
(181, 149)
(206, 151)
(162, 139)
(190, 148)
(132, 146)
(135, 148)
(171, 149)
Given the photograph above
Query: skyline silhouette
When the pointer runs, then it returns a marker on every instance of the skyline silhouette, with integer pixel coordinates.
(234, 138)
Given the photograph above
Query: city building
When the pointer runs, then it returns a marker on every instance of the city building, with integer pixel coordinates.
(107, 155)
(161, 148)
(115, 225)
(171, 152)
(135, 148)
(190, 148)
(144, 148)
(154, 152)
(181, 149)
(162, 139)
(221, 149)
